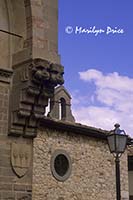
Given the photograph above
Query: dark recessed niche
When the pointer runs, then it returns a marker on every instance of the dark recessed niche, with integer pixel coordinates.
(61, 165)
(130, 163)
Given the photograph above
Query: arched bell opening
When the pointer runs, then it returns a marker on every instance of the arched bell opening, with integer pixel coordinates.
(62, 109)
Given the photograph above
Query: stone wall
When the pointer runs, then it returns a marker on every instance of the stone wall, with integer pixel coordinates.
(130, 172)
(11, 186)
(45, 32)
(34, 24)
(4, 38)
(28, 30)
(93, 170)
(39, 20)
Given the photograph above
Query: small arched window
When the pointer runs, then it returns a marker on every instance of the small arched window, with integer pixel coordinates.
(62, 109)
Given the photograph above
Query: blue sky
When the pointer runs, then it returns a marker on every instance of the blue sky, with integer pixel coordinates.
(98, 67)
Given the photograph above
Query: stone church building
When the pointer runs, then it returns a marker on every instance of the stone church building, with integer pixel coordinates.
(47, 156)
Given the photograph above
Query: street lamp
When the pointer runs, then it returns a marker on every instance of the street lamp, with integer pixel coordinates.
(117, 140)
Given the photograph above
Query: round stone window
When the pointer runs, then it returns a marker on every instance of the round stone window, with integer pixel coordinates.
(61, 165)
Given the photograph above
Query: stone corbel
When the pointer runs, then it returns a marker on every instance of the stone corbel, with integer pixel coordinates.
(33, 84)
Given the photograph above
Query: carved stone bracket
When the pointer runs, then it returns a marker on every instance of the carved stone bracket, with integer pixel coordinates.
(33, 84)
(5, 75)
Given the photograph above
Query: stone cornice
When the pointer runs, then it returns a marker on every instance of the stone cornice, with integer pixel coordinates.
(77, 128)
(74, 128)
(5, 75)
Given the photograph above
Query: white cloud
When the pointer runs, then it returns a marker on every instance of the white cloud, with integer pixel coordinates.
(112, 80)
(110, 102)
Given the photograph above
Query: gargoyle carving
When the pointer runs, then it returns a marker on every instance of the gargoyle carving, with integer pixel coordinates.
(40, 71)
(56, 75)
(33, 84)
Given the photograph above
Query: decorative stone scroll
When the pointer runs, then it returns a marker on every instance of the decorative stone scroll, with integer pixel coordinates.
(33, 84)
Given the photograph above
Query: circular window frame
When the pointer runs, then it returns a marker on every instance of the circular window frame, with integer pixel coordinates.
(54, 173)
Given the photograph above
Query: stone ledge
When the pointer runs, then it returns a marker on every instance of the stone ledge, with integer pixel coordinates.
(5, 75)
(74, 128)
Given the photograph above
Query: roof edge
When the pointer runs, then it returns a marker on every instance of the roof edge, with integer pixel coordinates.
(74, 128)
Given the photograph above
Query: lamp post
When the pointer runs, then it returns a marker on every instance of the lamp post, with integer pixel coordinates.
(117, 140)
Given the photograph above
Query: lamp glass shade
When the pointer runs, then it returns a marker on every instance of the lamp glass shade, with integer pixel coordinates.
(117, 143)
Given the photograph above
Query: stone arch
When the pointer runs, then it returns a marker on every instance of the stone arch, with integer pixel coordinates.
(17, 21)
(15, 18)
(4, 37)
